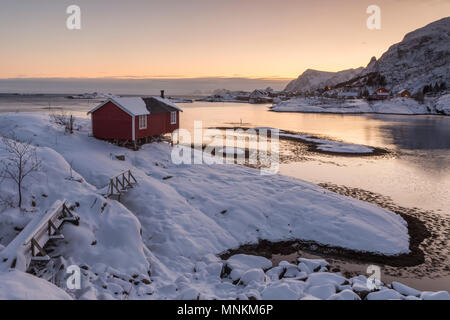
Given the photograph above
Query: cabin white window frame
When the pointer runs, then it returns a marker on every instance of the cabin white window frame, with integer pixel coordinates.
(143, 122)
(173, 117)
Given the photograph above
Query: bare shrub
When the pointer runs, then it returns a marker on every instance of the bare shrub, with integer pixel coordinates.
(22, 160)
(63, 120)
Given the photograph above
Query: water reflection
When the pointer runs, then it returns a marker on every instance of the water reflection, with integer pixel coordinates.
(418, 133)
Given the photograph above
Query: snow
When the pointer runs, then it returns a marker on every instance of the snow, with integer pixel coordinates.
(441, 295)
(311, 264)
(168, 102)
(320, 278)
(181, 221)
(345, 295)
(253, 275)
(17, 285)
(399, 105)
(275, 273)
(405, 290)
(133, 106)
(243, 261)
(443, 104)
(280, 291)
(304, 268)
(323, 291)
(387, 294)
(16, 248)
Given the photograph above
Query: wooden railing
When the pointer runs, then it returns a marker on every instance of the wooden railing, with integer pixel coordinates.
(29, 244)
(121, 183)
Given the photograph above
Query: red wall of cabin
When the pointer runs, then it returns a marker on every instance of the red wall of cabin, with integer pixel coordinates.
(111, 122)
(157, 124)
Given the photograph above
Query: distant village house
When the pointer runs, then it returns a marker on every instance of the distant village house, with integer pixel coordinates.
(381, 94)
(404, 94)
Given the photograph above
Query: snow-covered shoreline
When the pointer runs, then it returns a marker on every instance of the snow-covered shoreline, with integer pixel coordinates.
(396, 106)
(186, 220)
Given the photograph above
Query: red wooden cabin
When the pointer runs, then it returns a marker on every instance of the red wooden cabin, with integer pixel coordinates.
(134, 119)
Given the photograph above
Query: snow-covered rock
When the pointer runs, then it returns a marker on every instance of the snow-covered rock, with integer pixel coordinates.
(274, 273)
(241, 263)
(188, 294)
(280, 291)
(441, 295)
(360, 286)
(345, 295)
(323, 291)
(325, 277)
(312, 264)
(405, 290)
(387, 294)
(304, 268)
(253, 275)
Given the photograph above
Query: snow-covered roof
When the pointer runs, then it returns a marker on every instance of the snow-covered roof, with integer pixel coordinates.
(132, 106)
(168, 102)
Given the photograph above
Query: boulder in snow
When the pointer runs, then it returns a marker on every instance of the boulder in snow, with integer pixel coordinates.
(345, 295)
(405, 290)
(441, 295)
(387, 294)
(322, 291)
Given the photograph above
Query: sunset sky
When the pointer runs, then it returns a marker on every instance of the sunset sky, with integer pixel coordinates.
(200, 38)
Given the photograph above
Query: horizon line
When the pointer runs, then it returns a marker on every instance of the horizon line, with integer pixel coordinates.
(152, 78)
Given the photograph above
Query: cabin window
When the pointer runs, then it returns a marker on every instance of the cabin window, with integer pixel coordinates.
(173, 117)
(142, 122)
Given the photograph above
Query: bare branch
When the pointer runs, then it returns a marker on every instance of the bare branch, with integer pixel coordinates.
(21, 162)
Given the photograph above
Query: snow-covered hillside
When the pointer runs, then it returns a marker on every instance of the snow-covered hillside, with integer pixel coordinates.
(422, 58)
(443, 104)
(187, 215)
(326, 105)
(312, 80)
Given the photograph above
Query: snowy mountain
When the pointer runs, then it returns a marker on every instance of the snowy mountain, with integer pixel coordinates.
(421, 59)
(314, 79)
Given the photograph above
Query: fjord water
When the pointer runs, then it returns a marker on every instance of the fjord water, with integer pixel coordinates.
(418, 176)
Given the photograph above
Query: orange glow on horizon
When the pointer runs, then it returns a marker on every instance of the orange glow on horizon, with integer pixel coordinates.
(201, 39)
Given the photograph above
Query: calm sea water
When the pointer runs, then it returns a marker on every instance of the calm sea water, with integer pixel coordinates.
(418, 177)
